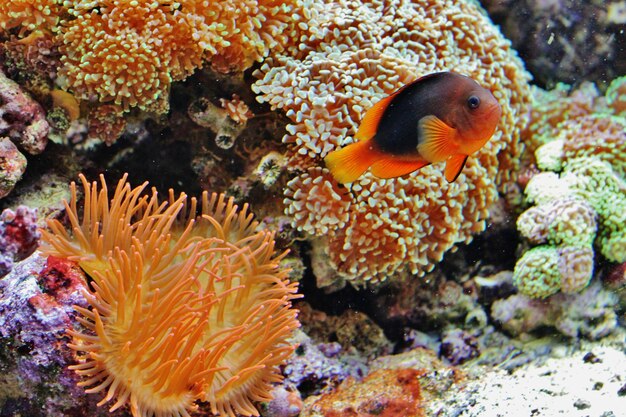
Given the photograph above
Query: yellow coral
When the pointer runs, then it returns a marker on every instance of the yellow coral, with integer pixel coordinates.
(187, 301)
(316, 203)
(351, 54)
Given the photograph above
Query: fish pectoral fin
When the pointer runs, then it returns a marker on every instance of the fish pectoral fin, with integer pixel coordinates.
(393, 168)
(436, 139)
(454, 166)
(349, 163)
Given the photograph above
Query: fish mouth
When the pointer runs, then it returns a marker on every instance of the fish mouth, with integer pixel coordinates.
(493, 112)
(493, 109)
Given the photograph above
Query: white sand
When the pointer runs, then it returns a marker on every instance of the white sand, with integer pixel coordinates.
(566, 386)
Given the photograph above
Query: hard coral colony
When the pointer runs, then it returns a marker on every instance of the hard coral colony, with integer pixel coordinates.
(350, 55)
(187, 302)
(129, 52)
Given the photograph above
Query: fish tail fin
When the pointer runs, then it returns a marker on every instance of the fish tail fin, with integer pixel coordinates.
(349, 163)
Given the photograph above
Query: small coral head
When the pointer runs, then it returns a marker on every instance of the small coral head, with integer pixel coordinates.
(187, 301)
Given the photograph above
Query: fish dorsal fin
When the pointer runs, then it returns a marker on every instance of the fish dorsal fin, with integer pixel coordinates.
(454, 166)
(436, 139)
(393, 168)
(369, 124)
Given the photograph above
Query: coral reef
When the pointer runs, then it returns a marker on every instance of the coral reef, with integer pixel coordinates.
(149, 303)
(128, 53)
(318, 367)
(19, 236)
(187, 301)
(426, 304)
(581, 195)
(385, 393)
(12, 166)
(458, 346)
(32, 61)
(352, 54)
(285, 403)
(22, 119)
(352, 330)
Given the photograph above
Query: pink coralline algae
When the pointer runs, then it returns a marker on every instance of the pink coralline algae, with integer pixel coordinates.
(286, 403)
(23, 125)
(36, 308)
(12, 166)
(19, 236)
(22, 119)
(317, 367)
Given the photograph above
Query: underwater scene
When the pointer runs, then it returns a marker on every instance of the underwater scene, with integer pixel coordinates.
(313, 208)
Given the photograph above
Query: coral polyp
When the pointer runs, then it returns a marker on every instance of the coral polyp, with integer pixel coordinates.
(187, 301)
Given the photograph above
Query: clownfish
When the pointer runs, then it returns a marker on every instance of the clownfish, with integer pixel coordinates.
(442, 116)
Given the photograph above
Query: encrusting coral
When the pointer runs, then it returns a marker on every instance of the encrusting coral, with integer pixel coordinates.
(351, 54)
(187, 301)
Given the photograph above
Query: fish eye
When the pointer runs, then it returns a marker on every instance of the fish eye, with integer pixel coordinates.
(473, 102)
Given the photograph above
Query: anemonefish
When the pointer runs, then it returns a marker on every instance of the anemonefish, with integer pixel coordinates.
(440, 117)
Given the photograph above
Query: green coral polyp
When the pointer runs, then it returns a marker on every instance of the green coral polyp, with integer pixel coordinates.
(545, 270)
(537, 273)
(583, 207)
(605, 191)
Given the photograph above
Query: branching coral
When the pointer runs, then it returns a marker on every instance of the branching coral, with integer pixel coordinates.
(187, 301)
(616, 96)
(350, 55)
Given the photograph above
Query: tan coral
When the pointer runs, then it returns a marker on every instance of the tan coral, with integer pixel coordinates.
(598, 137)
(237, 109)
(316, 203)
(236, 33)
(349, 56)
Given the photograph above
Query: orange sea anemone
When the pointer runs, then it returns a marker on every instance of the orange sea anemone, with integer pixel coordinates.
(187, 301)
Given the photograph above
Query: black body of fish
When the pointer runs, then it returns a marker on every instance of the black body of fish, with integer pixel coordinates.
(397, 132)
